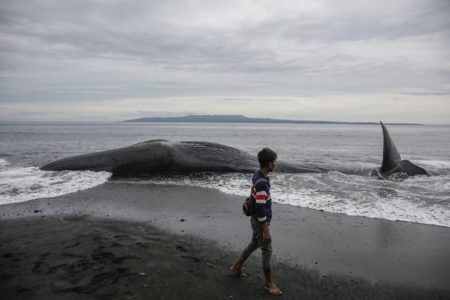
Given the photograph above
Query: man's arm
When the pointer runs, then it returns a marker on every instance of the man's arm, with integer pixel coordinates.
(262, 196)
(266, 233)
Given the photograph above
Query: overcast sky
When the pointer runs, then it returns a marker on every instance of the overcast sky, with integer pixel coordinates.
(316, 60)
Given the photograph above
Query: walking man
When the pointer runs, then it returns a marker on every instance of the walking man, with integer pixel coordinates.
(260, 221)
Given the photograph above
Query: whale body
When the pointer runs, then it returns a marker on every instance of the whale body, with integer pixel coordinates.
(162, 156)
(392, 162)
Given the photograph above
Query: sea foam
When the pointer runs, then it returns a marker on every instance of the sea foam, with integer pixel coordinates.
(19, 184)
(334, 192)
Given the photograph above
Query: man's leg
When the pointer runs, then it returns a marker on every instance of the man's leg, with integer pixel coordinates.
(270, 286)
(266, 260)
(237, 266)
(252, 246)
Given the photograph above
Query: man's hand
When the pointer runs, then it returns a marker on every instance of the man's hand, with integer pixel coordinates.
(266, 233)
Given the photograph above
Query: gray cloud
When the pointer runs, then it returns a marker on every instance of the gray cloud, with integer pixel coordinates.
(84, 51)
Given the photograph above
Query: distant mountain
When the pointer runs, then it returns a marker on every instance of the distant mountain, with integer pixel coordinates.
(241, 119)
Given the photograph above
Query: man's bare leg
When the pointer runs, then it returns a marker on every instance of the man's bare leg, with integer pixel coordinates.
(270, 286)
(237, 267)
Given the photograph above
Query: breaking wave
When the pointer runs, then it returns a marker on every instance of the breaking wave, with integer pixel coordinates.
(19, 184)
(419, 199)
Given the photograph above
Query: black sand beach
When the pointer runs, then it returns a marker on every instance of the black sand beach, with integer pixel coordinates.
(142, 241)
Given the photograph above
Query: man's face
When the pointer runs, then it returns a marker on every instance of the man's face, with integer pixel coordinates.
(271, 166)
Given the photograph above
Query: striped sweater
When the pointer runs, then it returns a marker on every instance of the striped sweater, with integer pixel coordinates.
(261, 193)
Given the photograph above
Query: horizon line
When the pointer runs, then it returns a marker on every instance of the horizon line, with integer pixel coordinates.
(325, 121)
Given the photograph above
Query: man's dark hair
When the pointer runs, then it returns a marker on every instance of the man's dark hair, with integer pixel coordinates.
(265, 156)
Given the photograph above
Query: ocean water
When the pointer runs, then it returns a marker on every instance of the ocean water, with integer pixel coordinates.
(349, 151)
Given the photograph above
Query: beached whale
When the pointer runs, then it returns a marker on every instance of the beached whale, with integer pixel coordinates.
(392, 161)
(161, 156)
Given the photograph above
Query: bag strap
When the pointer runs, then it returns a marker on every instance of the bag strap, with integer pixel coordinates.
(259, 180)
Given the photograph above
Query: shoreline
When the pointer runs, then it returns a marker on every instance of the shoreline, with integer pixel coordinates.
(376, 253)
(120, 181)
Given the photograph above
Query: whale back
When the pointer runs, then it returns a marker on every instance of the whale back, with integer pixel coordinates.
(391, 156)
(155, 157)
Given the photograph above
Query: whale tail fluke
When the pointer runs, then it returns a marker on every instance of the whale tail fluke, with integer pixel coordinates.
(392, 161)
(391, 156)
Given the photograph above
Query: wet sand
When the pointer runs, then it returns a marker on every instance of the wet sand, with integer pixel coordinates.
(136, 241)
